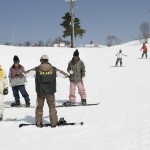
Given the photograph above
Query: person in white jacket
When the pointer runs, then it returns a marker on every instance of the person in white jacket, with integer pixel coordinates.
(3, 90)
(119, 58)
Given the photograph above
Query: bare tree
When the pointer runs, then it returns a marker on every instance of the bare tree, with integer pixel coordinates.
(48, 43)
(27, 44)
(145, 30)
(7, 43)
(40, 43)
(112, 40)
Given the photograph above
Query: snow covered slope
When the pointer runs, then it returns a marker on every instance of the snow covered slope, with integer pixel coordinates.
(120, 122)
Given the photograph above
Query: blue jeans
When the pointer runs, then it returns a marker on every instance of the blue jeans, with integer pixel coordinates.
(23, 92)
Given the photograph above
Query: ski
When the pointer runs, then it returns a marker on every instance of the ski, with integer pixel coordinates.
(49, 125)
(75, 105)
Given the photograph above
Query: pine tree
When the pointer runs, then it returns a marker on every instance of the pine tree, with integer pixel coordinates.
(78, 31)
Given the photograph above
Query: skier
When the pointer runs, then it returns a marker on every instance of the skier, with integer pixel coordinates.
(76, 69)
(45, 82)
(119, 58)
(3, 90)
(144, 48)
(17, 82)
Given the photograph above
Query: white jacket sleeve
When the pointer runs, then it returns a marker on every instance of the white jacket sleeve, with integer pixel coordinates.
(5, 81)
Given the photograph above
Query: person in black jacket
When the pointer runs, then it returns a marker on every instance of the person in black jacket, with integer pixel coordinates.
(45, 82)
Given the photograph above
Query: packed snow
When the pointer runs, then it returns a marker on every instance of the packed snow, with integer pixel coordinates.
(120, 122)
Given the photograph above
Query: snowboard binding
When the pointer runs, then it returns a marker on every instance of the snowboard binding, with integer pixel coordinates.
(62, 122)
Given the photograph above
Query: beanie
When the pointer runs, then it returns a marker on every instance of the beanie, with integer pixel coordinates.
(16, 60)
(76, 53)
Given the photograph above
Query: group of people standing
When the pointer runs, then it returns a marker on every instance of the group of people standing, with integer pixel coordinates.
(45, 85)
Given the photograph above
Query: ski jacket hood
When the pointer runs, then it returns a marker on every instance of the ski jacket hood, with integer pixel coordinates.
(45, 66)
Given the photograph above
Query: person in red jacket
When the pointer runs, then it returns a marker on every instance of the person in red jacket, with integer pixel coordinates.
(144, 48)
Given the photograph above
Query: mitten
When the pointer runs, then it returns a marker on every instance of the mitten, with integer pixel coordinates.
(71, 72)
(5, 91)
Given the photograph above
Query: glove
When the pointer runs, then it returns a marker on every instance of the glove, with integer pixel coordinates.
(71, 72)
(5, 91)
(83, 78)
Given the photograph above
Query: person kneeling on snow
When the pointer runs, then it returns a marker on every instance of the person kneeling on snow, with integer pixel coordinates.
(3, 90)
(45, 83)
(76, 69)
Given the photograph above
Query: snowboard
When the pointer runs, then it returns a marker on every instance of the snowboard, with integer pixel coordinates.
(9, 119)
(49, 125)
(57, 106)
(22, 105)
(89, 104)
(117, 66)
(143, 58)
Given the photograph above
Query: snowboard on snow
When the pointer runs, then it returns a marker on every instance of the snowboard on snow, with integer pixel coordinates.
(117, 66)
(78, 104)
(143, 58)
(9, 119)
(57, 106)
(21, 105)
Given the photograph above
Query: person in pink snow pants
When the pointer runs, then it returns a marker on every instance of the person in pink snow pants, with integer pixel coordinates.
(76, 69)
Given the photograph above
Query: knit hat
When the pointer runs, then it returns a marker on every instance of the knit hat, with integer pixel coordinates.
(16, 60)
(76, 53)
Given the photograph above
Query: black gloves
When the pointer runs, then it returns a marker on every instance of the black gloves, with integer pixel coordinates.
(5, 91)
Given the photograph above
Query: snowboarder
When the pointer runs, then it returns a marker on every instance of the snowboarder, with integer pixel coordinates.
(119, 58)
(144, 48)
(45, 82)
(3, 90)
(76, 69)
(17, 82)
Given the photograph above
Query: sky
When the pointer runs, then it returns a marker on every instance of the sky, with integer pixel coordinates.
(34, 20)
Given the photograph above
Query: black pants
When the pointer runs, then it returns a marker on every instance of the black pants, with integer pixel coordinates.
(119, 60)
(145, 54)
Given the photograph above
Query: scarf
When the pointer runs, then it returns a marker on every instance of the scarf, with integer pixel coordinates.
(74, 61)
(15, 71)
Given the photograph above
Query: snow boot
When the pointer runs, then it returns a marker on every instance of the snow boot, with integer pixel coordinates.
(1, 117)
(83, 101)
(15, 104)
(39, 124)
(68, 103)
(27, 104)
